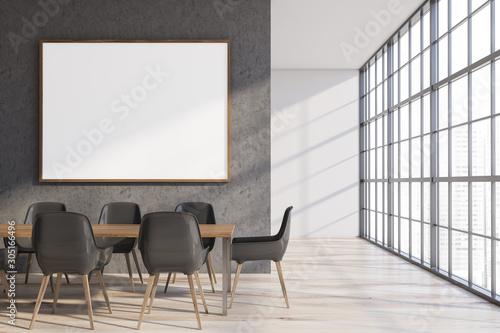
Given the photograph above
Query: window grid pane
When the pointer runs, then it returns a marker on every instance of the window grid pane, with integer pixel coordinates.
(463, 143)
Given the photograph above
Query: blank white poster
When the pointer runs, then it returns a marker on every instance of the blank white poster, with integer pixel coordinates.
(134, 111)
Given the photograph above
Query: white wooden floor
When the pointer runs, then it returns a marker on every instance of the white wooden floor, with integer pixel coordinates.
(336, 285)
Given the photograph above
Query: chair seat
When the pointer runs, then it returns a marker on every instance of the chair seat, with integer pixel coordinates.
(104, 257)
(256, 248)
(118, 248)
(24, 245)
(254, 239)
(101, 258)
(180, 266)
(3, 258)
(124, 245)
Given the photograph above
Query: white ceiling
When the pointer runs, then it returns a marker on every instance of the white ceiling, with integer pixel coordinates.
(308, 34)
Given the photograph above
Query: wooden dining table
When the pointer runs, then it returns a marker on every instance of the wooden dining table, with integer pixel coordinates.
(224, 231)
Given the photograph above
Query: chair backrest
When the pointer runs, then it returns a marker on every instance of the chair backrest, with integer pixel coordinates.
(64, 242)
(204, 213)
(283, 234)
(43, 207)
(119, 213)
(34, 210)
(171, 242)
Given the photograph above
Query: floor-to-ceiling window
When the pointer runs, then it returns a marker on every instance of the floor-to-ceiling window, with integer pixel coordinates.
(430, 143)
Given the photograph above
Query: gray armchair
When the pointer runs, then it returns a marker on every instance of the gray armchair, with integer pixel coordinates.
(170, 242)
(204, 213)
(262, 248)
(23, 244)
(121, 213)
(64, 242)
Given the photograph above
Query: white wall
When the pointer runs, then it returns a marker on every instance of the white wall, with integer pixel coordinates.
(333, 34)
(314, 151)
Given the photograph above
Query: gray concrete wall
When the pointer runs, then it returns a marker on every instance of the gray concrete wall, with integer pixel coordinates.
(244, 201)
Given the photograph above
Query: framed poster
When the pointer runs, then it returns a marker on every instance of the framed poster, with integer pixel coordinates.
(134, 111)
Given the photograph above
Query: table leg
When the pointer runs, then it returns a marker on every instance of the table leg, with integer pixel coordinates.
(229, 284)
(226, 272)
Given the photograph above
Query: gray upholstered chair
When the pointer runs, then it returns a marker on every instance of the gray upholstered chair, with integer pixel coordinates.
(24, 243)
(121, 213)
(64, 242)
(262, 248)
(170, 242)
(204, 213)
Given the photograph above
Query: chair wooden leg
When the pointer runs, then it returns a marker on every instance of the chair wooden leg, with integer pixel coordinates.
(210, 276)
(28, 266)
(43, 287)
(195, 303)
(4, 281)
(212, 267)
(200, 288)
(56, 292)
(6, 288)
(134, 254)
(153, 292)
(238, 271)
(166, 284)
(51, 284)
(15, 260)
(127, 259)
(145, 301)
(86, 290)
(173, 279)
(67, 278)
(280, 273)
(103, 288)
